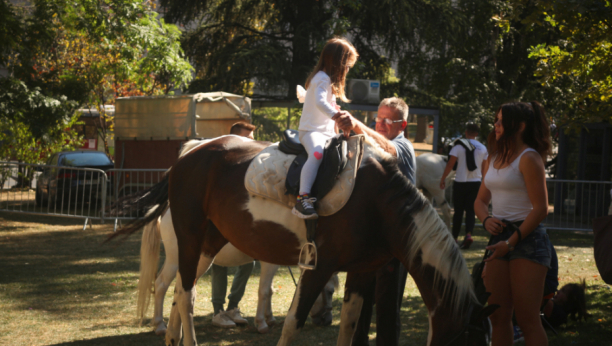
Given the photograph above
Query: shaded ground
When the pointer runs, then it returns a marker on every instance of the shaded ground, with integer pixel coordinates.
(59, 285)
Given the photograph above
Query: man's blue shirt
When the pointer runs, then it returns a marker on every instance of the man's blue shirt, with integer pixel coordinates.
(406, 160)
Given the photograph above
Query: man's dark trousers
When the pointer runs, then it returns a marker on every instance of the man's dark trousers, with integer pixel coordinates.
(387, 291)
(464, 195)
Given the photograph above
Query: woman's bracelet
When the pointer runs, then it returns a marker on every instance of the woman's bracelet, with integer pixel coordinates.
(485, 220)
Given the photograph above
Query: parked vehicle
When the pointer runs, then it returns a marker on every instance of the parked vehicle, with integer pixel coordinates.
(72, 177)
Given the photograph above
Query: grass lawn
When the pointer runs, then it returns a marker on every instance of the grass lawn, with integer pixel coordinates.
(59, 285)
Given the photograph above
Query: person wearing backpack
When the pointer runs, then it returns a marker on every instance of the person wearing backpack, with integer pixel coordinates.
(466, 158)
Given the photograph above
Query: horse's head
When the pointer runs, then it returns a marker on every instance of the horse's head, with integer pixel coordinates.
(415, 234)
(321, 310)
(477, 331)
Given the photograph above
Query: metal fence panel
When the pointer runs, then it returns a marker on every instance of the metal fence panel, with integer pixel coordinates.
(573, 204)
(52, 190)
(84, 193)
(87, 193)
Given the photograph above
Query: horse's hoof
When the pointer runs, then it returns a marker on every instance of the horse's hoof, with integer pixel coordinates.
(263, 330)
(271, 321)
(161, 329)
(322, 321)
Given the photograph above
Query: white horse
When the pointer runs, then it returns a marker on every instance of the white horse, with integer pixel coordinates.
(429, 170)
(229, 256)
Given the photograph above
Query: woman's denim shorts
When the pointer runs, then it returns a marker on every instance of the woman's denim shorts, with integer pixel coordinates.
(534, 247)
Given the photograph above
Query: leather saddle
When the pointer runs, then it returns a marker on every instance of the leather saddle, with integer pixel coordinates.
(335, 158)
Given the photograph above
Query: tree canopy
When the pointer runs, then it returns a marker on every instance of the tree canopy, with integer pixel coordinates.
(466, 57)
(277, 43)
(582, 56)
(84, 52)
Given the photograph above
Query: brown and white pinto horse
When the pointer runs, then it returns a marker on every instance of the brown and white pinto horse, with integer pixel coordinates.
(385, 217)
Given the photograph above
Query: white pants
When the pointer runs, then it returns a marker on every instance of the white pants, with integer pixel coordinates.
(314, 142)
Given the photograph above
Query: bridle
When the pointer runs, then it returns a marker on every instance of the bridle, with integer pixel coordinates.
(465, 331)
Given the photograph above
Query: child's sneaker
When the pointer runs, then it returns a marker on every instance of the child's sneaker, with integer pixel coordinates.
(304, 208)
(518, 334)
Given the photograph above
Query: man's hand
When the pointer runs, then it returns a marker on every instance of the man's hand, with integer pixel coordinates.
(346, 122)
(442, 184)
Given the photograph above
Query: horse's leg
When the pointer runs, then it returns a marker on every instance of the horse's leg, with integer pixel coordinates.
(191, 264)
(321, 312)
(358, 299)
(174, 322)
(149, 258)
(264, 317)
(443, 204)
(309, 287)
(178, 312)
(174, 332)
(162, 283)
(167, 273)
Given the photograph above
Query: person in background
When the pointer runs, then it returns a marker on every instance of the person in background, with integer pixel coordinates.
(467, 180)
(515, 182)
(232, 316)
(388, 289)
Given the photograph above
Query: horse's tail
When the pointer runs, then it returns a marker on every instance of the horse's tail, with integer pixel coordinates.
(152, 202)
(149, 258)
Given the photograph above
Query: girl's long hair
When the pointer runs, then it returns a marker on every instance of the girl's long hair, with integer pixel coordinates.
(337, 54)
(536, 134)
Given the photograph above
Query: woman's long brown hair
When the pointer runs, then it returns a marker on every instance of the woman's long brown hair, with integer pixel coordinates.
(536, 134)
(337, 55)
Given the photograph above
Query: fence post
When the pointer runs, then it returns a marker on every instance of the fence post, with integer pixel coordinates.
(104, 191)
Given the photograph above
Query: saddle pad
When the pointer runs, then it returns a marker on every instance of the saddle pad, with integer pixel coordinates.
(267, 172)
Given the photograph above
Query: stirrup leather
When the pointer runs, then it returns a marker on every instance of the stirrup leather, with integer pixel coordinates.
(302, 263)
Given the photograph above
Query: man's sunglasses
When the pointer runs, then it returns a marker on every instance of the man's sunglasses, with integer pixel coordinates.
(388, 121)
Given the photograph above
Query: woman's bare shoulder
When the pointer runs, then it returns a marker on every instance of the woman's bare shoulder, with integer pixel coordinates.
(531, 159)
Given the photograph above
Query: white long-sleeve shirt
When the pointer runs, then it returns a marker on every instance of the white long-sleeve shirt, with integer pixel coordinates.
(319, 105)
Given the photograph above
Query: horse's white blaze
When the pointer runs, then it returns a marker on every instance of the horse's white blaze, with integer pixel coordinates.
(349, 315)
(440, 251)
(262, 209)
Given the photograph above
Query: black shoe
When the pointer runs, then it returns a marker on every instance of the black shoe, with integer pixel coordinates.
(304, 208)
(466, 243)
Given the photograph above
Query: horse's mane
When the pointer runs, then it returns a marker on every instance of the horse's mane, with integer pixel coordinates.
(430, 238)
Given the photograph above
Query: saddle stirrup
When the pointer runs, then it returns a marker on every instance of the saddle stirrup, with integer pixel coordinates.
(302, 261)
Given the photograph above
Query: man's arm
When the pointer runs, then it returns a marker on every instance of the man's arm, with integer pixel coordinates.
(346, 122)
(449, 167)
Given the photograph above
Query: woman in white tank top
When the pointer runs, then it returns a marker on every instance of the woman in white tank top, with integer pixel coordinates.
(514, 181)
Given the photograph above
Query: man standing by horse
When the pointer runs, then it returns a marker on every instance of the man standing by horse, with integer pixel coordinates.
(387, 286)
(231, 317)
(467, 155)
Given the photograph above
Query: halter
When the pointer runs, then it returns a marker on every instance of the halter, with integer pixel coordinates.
(467, 327)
